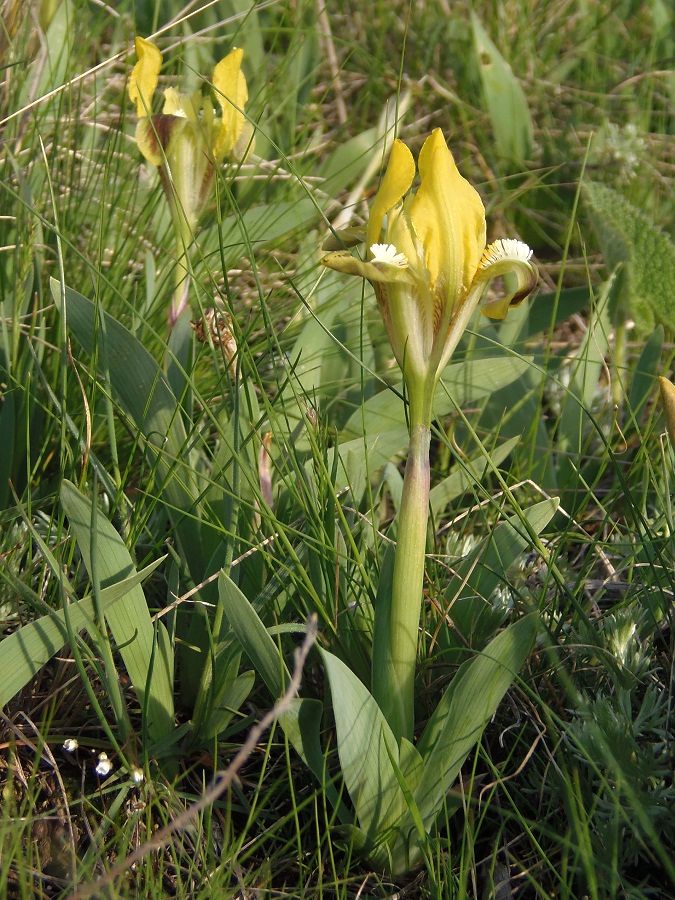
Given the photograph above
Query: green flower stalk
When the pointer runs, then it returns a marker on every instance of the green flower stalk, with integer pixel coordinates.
(430, 268)
(188, 141)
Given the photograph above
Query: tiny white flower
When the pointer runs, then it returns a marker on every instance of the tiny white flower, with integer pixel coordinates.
(505, 248)
(103, 766)
(388, 255)
(70, 745)
(137, 775)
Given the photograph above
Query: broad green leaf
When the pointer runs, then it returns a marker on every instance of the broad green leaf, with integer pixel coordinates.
(319, 349)
(141, 387)
(586, 367)
(301, 723)
(258, 227)
(8, 411)
(469, 703)
(330, 350)
(461, 383)
(362, 458)
(411, 763)
(646, 254)
(379, 672)
(645, 373)
(504, 97)
(395, 846)
(253, 636)
(229, 702)
(213, 710)
(392, 479)
(366, 747)
(129, 619)
(349, 159)
(180, 360)
(539, 316)
(250, 36)
(26, 650)
(50, 70)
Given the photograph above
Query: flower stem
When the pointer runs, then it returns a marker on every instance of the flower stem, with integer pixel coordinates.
(394, 661)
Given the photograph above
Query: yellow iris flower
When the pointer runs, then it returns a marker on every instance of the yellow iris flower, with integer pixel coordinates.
(668, 401)
(428, 262)
(188, 140)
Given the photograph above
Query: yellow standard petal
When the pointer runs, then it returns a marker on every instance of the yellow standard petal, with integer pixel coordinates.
(396, 182)
(449, 219)
(144, 76)
(668, 401)
(231, 93)
(176, 104)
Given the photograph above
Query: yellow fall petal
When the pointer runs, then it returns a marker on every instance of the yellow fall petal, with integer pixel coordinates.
(375, 272)
(144, 75)
(505, 256)
(156, 135)
(231, 93)
(449, 219)
(395, 183)
(148, 144)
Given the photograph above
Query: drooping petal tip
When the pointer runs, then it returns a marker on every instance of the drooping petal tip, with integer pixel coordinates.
(231, 92)
(396, 182)
(144, 76)
(506, 256)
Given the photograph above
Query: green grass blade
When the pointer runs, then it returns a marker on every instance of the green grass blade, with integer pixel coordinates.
(645, 373)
